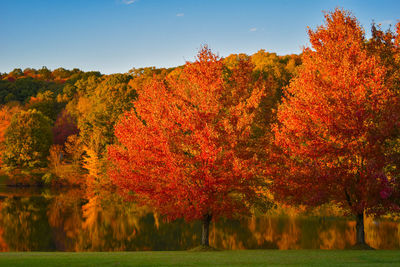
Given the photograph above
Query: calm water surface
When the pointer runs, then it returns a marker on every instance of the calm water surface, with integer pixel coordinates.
(44, 220)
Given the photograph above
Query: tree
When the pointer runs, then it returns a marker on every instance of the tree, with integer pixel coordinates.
(182, 146)
(44, 73)
(6, 113)
(64, 127)
(334, 121)
(27, 140)
(46, 103)
(99, 109)
(386, 46)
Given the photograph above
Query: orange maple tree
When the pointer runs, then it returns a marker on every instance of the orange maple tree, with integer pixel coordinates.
(334, 121)
(182, 146)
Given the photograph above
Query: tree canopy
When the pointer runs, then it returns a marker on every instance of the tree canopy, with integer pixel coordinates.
(27, 140)
(180, 147)
(334, 121)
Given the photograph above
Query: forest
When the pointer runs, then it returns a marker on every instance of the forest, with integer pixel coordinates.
(220, 137)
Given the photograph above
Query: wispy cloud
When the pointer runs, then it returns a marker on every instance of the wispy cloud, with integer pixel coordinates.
(253, 29)
(180, 14)
(128, 2)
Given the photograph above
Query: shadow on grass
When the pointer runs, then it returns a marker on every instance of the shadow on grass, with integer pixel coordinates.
(203, 249)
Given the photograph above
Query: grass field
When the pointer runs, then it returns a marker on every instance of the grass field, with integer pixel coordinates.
(218, 258)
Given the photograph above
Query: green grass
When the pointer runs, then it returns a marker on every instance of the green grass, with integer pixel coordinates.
(217, 258)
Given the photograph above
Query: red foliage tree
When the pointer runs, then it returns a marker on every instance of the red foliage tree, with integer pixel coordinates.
(64, 126)
(334, 122)
(181, 148)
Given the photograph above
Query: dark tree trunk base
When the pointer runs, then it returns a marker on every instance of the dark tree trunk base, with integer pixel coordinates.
(361, 246)
(206, 230)
(203, 249)
(360, 234)
(205, 233)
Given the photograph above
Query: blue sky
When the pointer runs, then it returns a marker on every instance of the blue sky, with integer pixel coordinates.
(116, 35)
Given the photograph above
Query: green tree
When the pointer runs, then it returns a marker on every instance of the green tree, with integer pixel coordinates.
(100, 108)
(47, 104)
(27, 140)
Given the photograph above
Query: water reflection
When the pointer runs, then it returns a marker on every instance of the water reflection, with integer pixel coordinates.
(66, 221)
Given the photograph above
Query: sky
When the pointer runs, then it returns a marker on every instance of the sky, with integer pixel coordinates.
(114, 36)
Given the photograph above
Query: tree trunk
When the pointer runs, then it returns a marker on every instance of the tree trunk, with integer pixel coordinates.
(206, 230)
(360, 235)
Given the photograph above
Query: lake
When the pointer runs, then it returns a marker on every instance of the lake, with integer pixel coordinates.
(34, 219)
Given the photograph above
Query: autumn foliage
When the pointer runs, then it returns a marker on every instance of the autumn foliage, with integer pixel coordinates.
(64, 127)
(27, 140)
(217, 136)
(180, 148)
(334, 122)
(6, 114)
